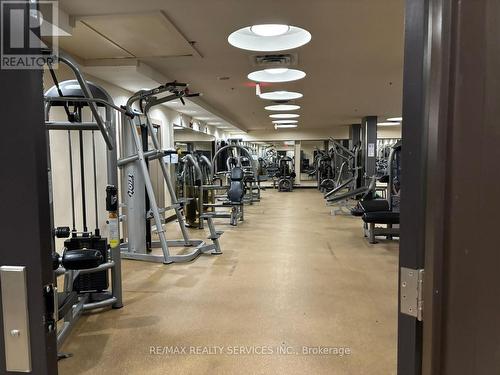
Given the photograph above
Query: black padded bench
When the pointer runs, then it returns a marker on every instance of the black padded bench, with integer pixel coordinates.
(372, 205)
(380, 217)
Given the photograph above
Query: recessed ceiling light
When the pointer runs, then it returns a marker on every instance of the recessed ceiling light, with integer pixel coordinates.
(281, 95)
(270, 75)
(269, 29)
(277, 126)
(270, 37)
(276, 70)
(284, 115)
(282, 107)
(395, 119)
(285, 122)
(388, 123)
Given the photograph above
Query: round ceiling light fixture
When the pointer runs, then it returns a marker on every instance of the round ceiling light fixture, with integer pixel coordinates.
(285, 122)
(282, 107)
(278, 126)
(269, 37)
(276, 75)
(270, 29)
(276, 70)
(284, 115)
(281, 95)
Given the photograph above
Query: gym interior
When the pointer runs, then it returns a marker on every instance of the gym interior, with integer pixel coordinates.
(250, 187)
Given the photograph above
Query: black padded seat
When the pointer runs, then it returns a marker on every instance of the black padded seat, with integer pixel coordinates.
(381, 217)
(374, 205)
(369, 205)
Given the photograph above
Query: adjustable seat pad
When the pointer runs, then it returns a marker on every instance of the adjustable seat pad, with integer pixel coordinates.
(236, 191)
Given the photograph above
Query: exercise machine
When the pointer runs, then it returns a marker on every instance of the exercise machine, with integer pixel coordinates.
(137, 179)
(381, 216)
(232, 183)
(88, 258)
(286, 174)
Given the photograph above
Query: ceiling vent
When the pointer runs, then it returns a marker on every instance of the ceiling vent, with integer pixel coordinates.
(274, 60)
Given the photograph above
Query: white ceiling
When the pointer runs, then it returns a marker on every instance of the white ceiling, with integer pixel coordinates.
(353, 63)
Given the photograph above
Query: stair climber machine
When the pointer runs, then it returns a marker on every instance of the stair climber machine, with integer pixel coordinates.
(89, 262)
(140, 202)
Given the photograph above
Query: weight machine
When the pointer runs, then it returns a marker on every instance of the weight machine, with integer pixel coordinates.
(88, 257)
(138, 182)
(239, 179)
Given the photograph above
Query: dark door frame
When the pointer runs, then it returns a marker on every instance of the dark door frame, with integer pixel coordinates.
(25, 226)
(413, 171)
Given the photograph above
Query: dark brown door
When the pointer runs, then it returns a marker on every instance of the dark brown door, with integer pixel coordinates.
(26, 340)
(460, 157)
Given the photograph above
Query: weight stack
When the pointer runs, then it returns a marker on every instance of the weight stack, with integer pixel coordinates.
(92, 282)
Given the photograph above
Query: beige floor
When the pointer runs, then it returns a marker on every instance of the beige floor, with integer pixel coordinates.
(291, 276)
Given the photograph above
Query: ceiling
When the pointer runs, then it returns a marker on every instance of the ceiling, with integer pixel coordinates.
(354, 62)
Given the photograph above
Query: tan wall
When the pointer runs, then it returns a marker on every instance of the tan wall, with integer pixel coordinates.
(297, 134)
(389, 132)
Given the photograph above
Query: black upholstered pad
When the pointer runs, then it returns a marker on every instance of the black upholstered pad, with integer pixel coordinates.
(381, 217)
(374, 205)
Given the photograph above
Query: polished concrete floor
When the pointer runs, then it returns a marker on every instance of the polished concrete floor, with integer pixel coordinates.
(292, 278)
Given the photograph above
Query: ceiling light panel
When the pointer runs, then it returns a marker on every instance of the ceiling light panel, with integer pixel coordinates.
(283, 107)
(271, 75)
(284, 115)
(269, 29)
(269, 37)
(285, 122)
(281, 95)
